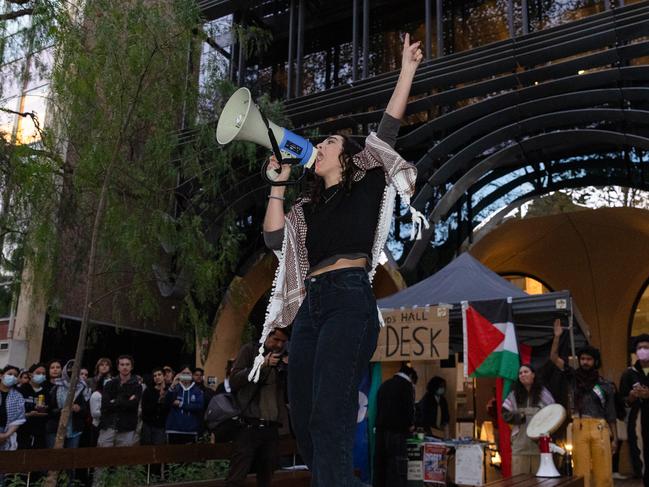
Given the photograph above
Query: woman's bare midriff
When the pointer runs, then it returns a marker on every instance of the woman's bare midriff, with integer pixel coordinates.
(341, 264)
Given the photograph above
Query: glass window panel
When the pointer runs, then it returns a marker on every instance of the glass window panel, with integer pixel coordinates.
(528, 284)
(386, 44)
(471, 23)
(14, 25)
(344, 59)
(7, 122)
(215, 65)
(11, 84)
(40, 68)
(314, 68)
(544, 13)
(14, 47)
(33, 101)
(641, 316)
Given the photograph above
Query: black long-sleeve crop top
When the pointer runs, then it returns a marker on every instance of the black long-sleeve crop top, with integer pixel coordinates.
(343, 223)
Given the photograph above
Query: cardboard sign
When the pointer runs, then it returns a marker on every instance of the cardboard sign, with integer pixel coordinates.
(413, 334)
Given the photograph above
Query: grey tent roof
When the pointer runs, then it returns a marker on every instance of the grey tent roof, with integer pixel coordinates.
(466, 279)
(463, 279)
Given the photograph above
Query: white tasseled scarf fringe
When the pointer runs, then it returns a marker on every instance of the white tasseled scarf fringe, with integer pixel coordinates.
(400, 177)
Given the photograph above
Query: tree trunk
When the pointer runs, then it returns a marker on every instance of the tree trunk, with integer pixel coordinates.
(83, 330)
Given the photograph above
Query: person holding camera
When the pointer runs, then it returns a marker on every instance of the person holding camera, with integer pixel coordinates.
(264, 409)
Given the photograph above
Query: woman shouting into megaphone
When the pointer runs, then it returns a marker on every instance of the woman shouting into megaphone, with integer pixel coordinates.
(329, 245)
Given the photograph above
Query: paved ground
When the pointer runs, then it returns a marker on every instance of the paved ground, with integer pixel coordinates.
(629, 483)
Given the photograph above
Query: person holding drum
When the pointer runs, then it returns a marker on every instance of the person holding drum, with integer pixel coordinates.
(527, 397)
(592, 404)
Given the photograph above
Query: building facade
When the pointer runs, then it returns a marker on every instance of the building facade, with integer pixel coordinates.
(515, 100)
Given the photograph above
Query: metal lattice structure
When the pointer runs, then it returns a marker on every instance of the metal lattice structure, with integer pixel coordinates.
(558, 108)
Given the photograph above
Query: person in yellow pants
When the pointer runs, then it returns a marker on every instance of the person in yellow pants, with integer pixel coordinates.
(592, 404)
(591, 444)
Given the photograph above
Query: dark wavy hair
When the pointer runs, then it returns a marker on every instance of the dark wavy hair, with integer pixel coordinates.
(521, 393)
(346, 158)
(434, 384)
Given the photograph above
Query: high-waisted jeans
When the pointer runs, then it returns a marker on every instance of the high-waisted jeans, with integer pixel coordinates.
(334, 336)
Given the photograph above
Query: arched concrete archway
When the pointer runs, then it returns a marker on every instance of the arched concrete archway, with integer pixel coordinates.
(245, 291)
(599, 255)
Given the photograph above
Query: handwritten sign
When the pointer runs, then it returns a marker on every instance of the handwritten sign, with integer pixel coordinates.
(413, 334)
(469, 465)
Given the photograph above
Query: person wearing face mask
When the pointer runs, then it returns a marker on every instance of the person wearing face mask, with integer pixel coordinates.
(37, 397)
(527, 397)
(431, 412)
(592, 406)
(12, 409)
(634, 389)
(331, 243)
(186, 405)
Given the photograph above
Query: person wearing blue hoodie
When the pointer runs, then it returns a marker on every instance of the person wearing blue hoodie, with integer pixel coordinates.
(186, 405)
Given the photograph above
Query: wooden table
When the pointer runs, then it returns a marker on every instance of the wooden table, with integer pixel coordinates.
(528, 480)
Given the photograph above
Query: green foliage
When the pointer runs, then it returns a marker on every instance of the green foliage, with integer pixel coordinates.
(20, 480)
(122, 104)
(213, 469)
(121, 476)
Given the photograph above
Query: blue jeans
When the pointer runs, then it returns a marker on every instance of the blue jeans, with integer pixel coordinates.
(334, 336)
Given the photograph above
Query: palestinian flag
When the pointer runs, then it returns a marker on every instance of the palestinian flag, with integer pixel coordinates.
(490, 348)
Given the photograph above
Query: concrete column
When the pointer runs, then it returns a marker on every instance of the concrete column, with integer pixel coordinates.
(27, 336)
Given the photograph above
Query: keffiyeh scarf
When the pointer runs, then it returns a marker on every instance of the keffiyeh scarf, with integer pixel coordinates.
(288, 286)
(15, 417)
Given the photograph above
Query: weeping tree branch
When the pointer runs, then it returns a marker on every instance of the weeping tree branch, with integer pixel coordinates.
(90, 272)
(16, 14)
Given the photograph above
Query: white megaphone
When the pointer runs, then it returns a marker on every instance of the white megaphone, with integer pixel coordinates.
(542, 425)
(241, 119)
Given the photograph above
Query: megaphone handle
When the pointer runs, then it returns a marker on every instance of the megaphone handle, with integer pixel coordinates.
(264, 175)
(278, 156)
(271, 136)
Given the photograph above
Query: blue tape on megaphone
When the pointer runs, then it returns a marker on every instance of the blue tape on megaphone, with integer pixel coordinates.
(297, 147)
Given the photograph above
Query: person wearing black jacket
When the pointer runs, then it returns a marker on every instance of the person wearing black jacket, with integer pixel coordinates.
(37, 398)
(198, 375)
(634, 388)
(432, 411)
(154, 410)
(263, 410)
(119, 407)
(395, 419)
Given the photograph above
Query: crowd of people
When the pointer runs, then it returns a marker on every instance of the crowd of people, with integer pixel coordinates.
(601, 415)
(110, 407)
(114, 407)
(117, 408)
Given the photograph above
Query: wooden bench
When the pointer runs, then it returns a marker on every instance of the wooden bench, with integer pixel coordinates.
(528, 480)
(23, 461)
(280, 479)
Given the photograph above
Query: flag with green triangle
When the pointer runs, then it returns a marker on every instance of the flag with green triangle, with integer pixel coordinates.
(490, 347)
